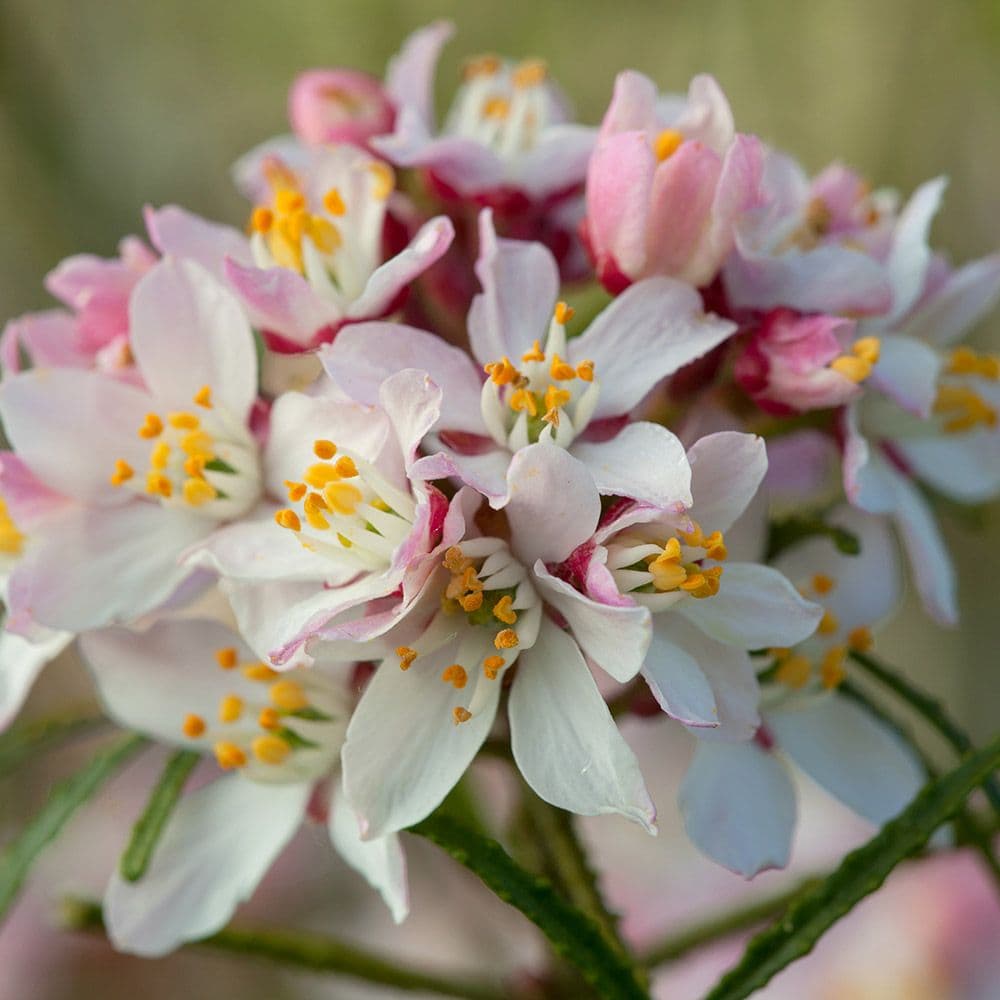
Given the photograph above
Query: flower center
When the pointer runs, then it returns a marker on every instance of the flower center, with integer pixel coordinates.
(207, 462)
(546, 398)
(347, 510)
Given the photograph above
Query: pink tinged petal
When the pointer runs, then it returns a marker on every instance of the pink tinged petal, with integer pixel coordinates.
(410, 75)
(853, 755)
(21, 661)
(520, 285)
(619, 183)
(616, 638)
(485, 473)
(564, 739)
(907, 372)
(69, 426)
(412, 402)
(403, 752)
(755, 607)
(965, 467)
(727, 469)
(707, 117)
(28, 500)
(910, 256)
(801, 466)
(554, 505)
(189, 331)
(180, 233)
(364, 355)
(557, 162)
(380, 861)
(644, 461)
(633, 105)
(968, 294)
(48, 338)
(868, 479)
(738, 806)
(466, 165)
(648, 332)
(217, 846)
(677, 681)
(338, 105)
(104, 565)
(391, 278)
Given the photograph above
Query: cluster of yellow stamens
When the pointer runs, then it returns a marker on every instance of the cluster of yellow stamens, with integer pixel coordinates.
(181, 431)
(963, 409)
(670, 573)
(497, 105)
(857, 365)
(326, 488)
(11, 539)
(287, 221)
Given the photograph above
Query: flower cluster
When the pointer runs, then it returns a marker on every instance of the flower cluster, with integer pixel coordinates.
(340, 496)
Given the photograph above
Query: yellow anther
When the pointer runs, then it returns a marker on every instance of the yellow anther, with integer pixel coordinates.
(313, 507)
(496, 107)
(152, 426)
(667, 573)
(11, 539)
(828, 624)
(831, 671)
(195, 466)
(123, 472)
(460, 715)
(823, 584)
(342, 498)
(198, 444)
(160, 455)
(333, 203)
(551, 416)
(194, 726)
(818, 216)
(704, 583)
(522, 399)
(471, 602)
(853, 368)
(503, 611)
(320, 473)
(529, 73)
(203, 397)
(324, 449)
(158, 484)
(560, 370)
(278, 175)
(270, 749)
(230, 708)
(964, 408)
(288, 695)
(262, 219)
(667, 143)
(259, 672)
(455, 561)
(492, 666)
(198, 492)
(385, 179)
(288, 201)
(229, 755)
(226, 657)
(535, 354)
(406, 657)
(793, 671)
(324, 234)
(694, 538)
(868, 349)
(455, 675)
(484, 65)
(556, 397)
(268, 718)
(183, 421)
(965, 361)
(585, 371)
(860, 639)
(715, 547)
(505, 639)
(564, 313)
(296, 491)
(501, 372)
(345, 467)
(287, 518)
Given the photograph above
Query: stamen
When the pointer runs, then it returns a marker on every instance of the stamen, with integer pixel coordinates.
(123, 472)
(793, 671)
(287, 518)
(333, 202)
(341, 498)
(492, 666)
(556, 397)
(535, 354)
(667, 143)
(455, 561)
(563, 314)
(229, 755)
(226, 657)
(203, 397)
(485, 65)
(522, 399)
(505, 639)
(471, 602)
(503, 611)
(324, 449)
(406, 657)
(867, 348)
(823, 584)
(270, 749)
(460, 715)
(287, 694)
(230, 708)
(152, 427)
(501, 372)
(496, 107)
(831, 670)
(965, 361)
(158, 484)
(296, 491)
(259, 672)
(319, 474)
(288, 201)
(312, 507)
(529, 73)
(183, 421)
(198, 492)
(860, 639)
(345, 467)
(585, 371)
(455, 675)
(561, 371)
(828, 624)
(852, 368)
(385, 179)
(269, 719)
(194, 726)
(262, 219)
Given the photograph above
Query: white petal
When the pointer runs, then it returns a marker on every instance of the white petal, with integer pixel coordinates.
(727, 468)
(21, 661)
(738, 806)
(217, 846)
(564, 739)
(907, 371)
(677, 681)
(965, 467)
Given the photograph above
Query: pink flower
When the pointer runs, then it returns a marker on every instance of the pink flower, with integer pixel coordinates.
(328, 106)
(667, 183)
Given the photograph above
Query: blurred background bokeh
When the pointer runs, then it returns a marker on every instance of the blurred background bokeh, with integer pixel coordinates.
(106, 105)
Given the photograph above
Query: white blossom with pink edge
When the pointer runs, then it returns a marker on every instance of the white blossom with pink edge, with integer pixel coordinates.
(431, 704)
(737, 798)
(196, 685)
(144, 472)
(575, 393)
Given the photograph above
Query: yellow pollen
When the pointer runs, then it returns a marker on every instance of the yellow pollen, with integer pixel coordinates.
(183, 421)
(324, 449)
(152, 427)
(529, 73)
(345, 467)
(456, 676)
(460, 715)
(503, 611)
(160, 455)
(561, 371)
(551, 416)
(287, 518)
(296, 491)
(194, 726)
(556, 397)
(823, 584)
(230, 708)
(793, 671)
(288, 694)
(158, 484)
(505, 639)
(667, 143)
(704, 583)
(342, 498)
(312, 507)
(269, 719)
(867, 348)
(831, 670)
(485, 65)
(198, 492)
(501, 372)
(522, 399)
(471, 602)
(965, 361)
(860, 639)
(324, 234)
(455, 561)
(122, 474)
(259, 672)
(564, 313)
(288, 201)
(492, 666)
(333, 203)
(319, 474)
(385, 180)
(715, 547)
(828, 624)
(198, 444)
(535, 354)
(270, 749)
(964, 408)
(496, 107)
(203, 397)
(226, 657)
(229, 755)
(667, 574)
(262, 219)
(694, 538)
(406, 657)
(852, 368)
(585, 371)
(195, 467)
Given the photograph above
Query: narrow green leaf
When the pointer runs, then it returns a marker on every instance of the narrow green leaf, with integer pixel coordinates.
(570, 933)
(149, 826)
(859, 874)
(64, 800)
(28, 740)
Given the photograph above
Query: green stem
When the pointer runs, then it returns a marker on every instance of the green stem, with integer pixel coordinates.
(31, 739)
(715, 928)
(571, 934)
(305, 950)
